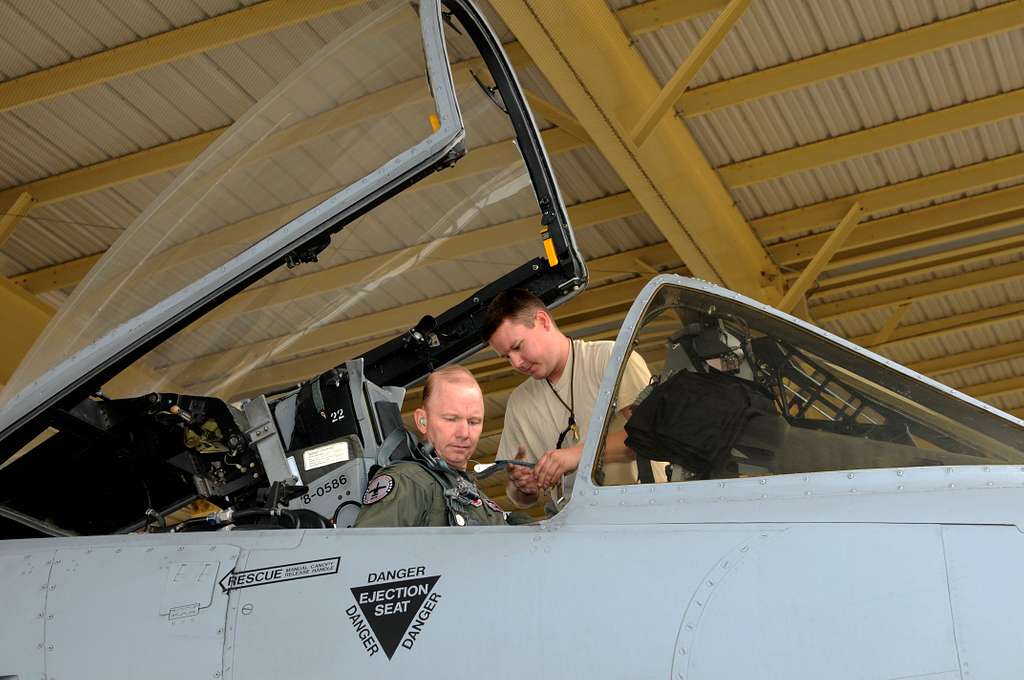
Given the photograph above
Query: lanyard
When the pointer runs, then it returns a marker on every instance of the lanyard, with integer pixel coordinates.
(571, 425)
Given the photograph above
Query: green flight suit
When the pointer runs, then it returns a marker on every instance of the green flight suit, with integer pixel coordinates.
(407, 495)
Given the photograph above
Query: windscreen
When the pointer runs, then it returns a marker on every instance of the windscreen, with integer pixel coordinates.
(737, 391)
(362, 101)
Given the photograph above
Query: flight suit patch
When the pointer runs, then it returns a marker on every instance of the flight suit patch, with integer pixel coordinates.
(492, 505)
(379, 488)
(476, 502)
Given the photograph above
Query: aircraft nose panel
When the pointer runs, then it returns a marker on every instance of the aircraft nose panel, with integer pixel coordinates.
(839, 601)
(985, 564)
(23, 623)
(180, 634)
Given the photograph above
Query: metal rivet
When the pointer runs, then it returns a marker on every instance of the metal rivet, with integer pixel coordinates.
(899, 488)
(247, 609)
(899, 473)
(849, 475)
(764, 481)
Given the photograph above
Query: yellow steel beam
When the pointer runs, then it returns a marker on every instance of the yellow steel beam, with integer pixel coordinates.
(873, 140)
(244, 23)
(928, 289)
(828, 249)
(864, 55)
(681, 79)
(614, 297)
(115, 171)
(375, 325)
(934, 225)
(23, 317)
(162, 48)
(181, 152)
(891, 324)
(927, 330)
(10, 214)
(482, 159)
(555, 115)
(606, 84)
(654, 14)
(55, 277)
(963, 360)
(996, 388)
(796, 222)
(462, 245)
(885, 273)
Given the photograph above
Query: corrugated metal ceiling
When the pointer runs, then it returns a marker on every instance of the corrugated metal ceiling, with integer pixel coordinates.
(210, 90)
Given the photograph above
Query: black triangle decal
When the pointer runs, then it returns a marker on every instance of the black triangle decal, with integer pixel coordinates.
(389, 607)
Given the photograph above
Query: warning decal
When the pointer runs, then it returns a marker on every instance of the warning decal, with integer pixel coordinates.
(389, 609)
(278, 574)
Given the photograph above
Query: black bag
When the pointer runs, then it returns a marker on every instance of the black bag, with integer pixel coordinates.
(695, 419)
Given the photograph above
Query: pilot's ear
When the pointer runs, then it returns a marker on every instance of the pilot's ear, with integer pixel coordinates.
(419, 417)
(544, 319)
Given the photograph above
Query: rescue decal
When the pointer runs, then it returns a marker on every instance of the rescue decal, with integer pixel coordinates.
(279, 574)
(390, 613)
(379, 488)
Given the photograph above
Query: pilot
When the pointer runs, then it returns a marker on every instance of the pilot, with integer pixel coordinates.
(431, 488)
(546, 417)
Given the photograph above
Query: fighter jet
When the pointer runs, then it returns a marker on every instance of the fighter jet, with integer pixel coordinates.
(802, 508)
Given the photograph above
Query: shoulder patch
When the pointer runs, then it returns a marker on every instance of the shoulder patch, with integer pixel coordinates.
(378, 488)
(476, 502)
(492, 505)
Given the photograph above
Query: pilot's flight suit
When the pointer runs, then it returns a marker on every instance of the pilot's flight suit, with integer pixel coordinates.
(407, 494)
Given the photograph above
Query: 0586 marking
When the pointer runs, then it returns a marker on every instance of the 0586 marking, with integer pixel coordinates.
(325, 488)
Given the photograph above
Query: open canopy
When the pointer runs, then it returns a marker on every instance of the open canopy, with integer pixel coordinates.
(330, 217)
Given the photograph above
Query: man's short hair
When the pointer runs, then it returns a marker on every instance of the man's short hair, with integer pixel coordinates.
(517, 304)
(453, 373)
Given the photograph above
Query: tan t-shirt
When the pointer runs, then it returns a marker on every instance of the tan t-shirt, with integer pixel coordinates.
(534, 417)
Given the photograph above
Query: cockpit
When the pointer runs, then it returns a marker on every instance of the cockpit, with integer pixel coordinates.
(250, 336)
(241, 355)
(740, 390)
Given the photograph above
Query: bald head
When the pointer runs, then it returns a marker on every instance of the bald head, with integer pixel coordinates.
(452, 415)
(453, 374)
